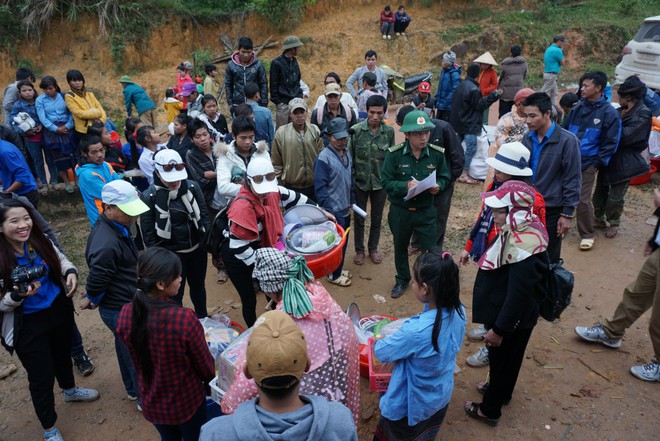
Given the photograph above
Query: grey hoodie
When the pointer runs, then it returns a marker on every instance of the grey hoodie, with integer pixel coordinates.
(319, 420)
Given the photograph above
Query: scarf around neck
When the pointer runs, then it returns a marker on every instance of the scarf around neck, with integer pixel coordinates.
(162, 204)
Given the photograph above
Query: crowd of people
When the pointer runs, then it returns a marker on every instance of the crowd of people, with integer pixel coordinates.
(152, 205)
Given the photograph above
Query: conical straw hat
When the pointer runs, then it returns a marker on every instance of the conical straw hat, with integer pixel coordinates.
(486, 58)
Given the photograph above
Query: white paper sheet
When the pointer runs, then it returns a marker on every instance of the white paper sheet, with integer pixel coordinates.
(424, 184)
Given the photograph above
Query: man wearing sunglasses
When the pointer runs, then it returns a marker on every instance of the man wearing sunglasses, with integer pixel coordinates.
(255, 221)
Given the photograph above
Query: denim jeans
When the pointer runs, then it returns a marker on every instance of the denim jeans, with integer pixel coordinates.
(77, 347)
(387, 28)
(470, 147)
(128, 375)
(37, 153)
(345, 222)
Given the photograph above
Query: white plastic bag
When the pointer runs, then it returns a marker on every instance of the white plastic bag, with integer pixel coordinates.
(24, 122)
(654, 144)
(478, 167)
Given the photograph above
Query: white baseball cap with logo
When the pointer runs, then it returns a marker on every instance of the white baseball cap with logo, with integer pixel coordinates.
(124, 196)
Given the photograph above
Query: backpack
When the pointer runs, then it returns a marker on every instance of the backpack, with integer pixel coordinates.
(554, 291)
(216, 237)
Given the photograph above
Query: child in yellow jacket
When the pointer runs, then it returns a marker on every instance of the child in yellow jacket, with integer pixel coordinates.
(172, 105)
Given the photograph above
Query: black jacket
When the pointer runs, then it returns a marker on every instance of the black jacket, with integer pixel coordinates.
(284, 80)
(197, 163)
(237, 76)
(467, 107)
(112, 260)
(444, 136)
(184, 234)
(627, 162)
(181, 146)
(503, 299)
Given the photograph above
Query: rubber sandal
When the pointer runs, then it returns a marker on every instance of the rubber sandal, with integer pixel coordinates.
(375, 257)
(472, 410)
(359, 258)
(471, 181)
(340, 281)
(586, 244)
(347, 274)
(482, 387)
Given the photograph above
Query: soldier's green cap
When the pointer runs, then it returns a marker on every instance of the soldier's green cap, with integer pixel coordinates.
(291, 42)
(416, 121)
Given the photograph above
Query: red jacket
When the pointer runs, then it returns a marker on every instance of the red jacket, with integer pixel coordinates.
(487, 81)
(386, 18)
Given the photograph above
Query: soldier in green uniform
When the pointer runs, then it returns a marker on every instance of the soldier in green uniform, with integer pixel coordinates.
(405, 165)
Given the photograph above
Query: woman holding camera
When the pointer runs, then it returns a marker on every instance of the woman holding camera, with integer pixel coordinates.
(36, 311)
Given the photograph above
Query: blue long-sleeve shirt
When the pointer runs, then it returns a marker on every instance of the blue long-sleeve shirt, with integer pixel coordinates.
(333, 182)
(14, 168)
(423, 379)
(52, 110)
(264, 122)
(598, 127)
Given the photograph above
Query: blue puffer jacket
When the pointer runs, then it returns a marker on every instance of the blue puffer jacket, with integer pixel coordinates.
(598, 127)
(449, 79)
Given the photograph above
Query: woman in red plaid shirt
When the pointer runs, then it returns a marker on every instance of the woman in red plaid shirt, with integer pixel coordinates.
(168, 349)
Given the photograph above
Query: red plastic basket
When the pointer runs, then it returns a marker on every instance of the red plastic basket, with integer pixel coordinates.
(326, 264)
(378, 381)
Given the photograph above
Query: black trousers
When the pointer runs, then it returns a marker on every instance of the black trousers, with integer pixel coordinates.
(44, 348)
(241, 277)
(307, 191)
(193, 270)
(505, 362)
(552, 215)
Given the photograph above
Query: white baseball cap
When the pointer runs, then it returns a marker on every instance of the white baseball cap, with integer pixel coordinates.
(170, 166)
(261, 169)
(124, 196)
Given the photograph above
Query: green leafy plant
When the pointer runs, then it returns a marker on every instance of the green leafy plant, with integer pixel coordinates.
(117, 52)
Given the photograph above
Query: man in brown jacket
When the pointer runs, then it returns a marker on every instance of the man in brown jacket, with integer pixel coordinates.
(295, 149)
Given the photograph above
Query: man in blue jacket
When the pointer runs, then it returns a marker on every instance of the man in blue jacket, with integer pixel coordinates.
(598, 127)
(137, 96)
(93, 175)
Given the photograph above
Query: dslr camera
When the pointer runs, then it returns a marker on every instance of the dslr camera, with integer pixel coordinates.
(22, 276)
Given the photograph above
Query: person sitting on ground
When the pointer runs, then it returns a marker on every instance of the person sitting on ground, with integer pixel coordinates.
(402, 21)
(346, 97)
(424, 350)
(503, 298)
(387, 20)
(277, 357)
(628, 160)
(424, 100)
(638, 297)
(134, 95)
(334, 186)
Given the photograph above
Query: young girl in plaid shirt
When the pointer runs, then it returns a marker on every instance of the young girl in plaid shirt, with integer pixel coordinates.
(168, 348)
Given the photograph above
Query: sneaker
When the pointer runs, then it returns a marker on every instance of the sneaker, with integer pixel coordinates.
(477, 334)
(389, 37)
(80, 394)
(398, 34)
(84, 364)
(647, 372)
(479, 358)
(384, 37)
(130, 397)
(597, 334)
(53, 435)
(139, 406)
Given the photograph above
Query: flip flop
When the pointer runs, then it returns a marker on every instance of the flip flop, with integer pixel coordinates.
(586, 244)
(347, 274)
(221, 277)
(375, 257)
(472, 410)
(359, 258)
(342, 281)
